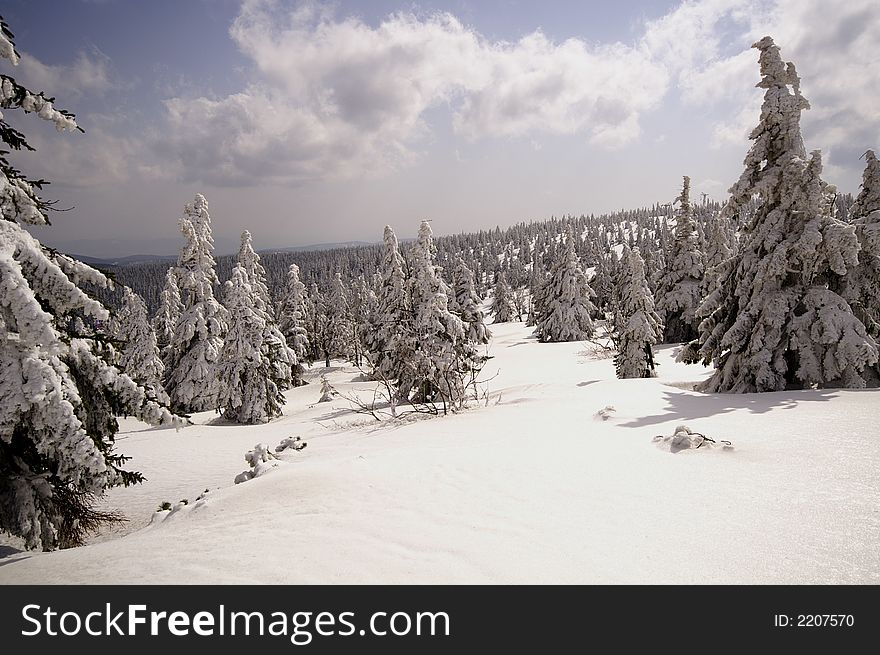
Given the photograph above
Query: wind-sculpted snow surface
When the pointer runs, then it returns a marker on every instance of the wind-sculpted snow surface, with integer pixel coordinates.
(527, 489)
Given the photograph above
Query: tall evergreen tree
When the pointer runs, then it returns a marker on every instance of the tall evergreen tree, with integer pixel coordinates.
(565, 301)
(362, 306)
(394, 342)
(192, 381)
(468, 304)
(680, 286)
(338, 332)
(640, 326)
(861, 286)
(502, 301)
(719, 248)
(774, 322)
(59, 393)
(315, 323)
(248, 392)
(282, 358)
(249, 260)
(170, 309)
(140, 355)
(292, 318)
(443, 358)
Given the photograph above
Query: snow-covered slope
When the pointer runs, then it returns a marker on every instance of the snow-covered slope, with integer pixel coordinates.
(531, 488)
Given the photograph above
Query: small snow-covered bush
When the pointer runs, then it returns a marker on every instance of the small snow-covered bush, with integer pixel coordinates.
(294, 443)
(605, 413)
(327, 390)
(261, 461)
(683, 438)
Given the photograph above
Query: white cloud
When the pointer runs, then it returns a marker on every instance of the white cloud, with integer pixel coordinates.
(335, 97)
(89, 73)
(832, 42)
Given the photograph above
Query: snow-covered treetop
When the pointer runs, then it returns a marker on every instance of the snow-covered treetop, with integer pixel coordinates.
(425, 240)
(777, 137)
(196, 273)
(250, 260)
(197, 213)
(868, 199)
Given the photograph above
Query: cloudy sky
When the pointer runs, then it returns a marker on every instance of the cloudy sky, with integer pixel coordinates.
(315, 122)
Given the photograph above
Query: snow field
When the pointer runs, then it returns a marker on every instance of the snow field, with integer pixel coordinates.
(532, 489)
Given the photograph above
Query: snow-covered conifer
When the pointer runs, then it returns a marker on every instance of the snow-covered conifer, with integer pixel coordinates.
(861, 286)
(250, 261)
(58, 392)
(282, 358)
(338, 333)
(393, 344)
(443, 357)
(502, 301)
(362, 307)
(565, 301)
(681, 284)
(468, 304)
(191, 376)
(139, 357)
(719, 248)
(327, 390)
(774, 321)
(292, 318)
(170, 309)
(639, 324)
(248, 392)
(315, 323)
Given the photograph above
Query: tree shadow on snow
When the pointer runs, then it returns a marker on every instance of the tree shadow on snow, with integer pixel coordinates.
(687, 406)
(6, 553)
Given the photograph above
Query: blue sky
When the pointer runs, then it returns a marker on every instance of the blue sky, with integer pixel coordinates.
(310, 122)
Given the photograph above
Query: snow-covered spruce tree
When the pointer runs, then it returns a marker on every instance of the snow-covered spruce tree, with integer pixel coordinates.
(468, 304)
(139, 356)
(292, 317)
(444, 359)
(861, 286)
(250, 261)
(537, 280)
(563, 313)
(248, 392)
(773, 322)
(337, 341)
(315, 323)
(640, 325)
(393, 344)
(170, 309)
(191, 376)
(362, 306)
(58, 394)
(327, 390)
(282, 359)
(680, 286)
(502, 307)
(868, 200)
(719, 248)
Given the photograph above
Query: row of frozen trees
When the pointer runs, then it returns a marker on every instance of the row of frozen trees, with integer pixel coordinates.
(406, 327)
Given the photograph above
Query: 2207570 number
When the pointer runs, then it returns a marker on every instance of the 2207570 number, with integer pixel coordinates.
(814, 621)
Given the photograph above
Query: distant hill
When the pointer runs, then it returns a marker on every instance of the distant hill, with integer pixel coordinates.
(321, 246)
(103, 262)
(122, 261)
